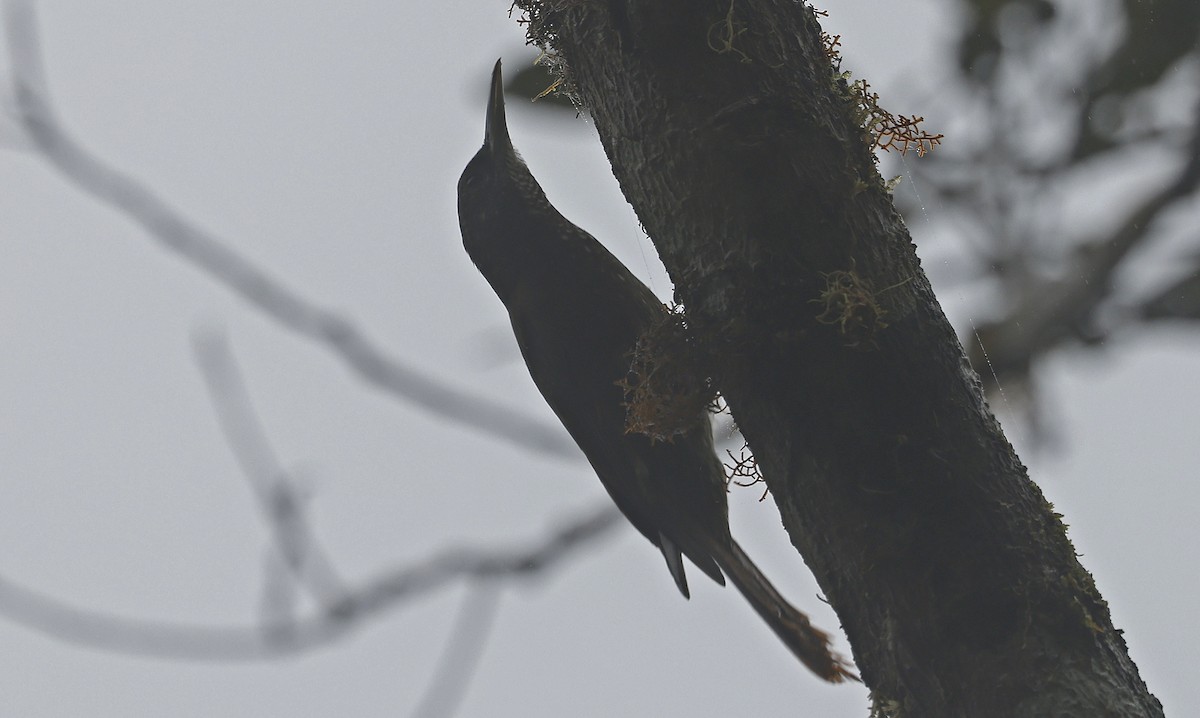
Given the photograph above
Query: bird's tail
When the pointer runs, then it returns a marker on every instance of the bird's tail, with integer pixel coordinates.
(810, 644)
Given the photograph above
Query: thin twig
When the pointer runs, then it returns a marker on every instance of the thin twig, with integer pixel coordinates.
(460, 659)
(278, 498)
(112, 633)
(221, 263)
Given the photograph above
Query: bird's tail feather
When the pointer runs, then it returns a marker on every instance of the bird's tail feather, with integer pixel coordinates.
(810, 644)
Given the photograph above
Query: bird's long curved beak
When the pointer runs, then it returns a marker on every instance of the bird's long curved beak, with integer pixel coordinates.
(495, 132)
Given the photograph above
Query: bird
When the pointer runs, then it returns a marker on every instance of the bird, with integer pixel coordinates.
(577, 313)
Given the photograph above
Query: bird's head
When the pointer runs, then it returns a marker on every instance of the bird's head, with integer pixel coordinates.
(496, 180)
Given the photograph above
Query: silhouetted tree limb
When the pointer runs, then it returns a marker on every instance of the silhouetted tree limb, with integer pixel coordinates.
(744, 161)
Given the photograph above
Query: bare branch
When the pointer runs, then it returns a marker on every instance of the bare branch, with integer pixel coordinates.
(460, 659)
(279, 499)
(221, 263)
(179, 641)
(1055, 310)
(487, 564)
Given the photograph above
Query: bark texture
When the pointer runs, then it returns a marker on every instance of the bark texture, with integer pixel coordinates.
(952, 575)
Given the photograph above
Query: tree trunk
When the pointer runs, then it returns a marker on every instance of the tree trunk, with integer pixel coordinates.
(740, 152)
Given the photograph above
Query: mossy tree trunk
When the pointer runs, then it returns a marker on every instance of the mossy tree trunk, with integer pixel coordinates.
(952, 576)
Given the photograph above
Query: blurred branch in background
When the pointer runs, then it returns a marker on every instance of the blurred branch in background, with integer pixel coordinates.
(298, 561)
(1061, 105)
(360, 602)
(221, 263)
(279, 499)
(460, 659)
